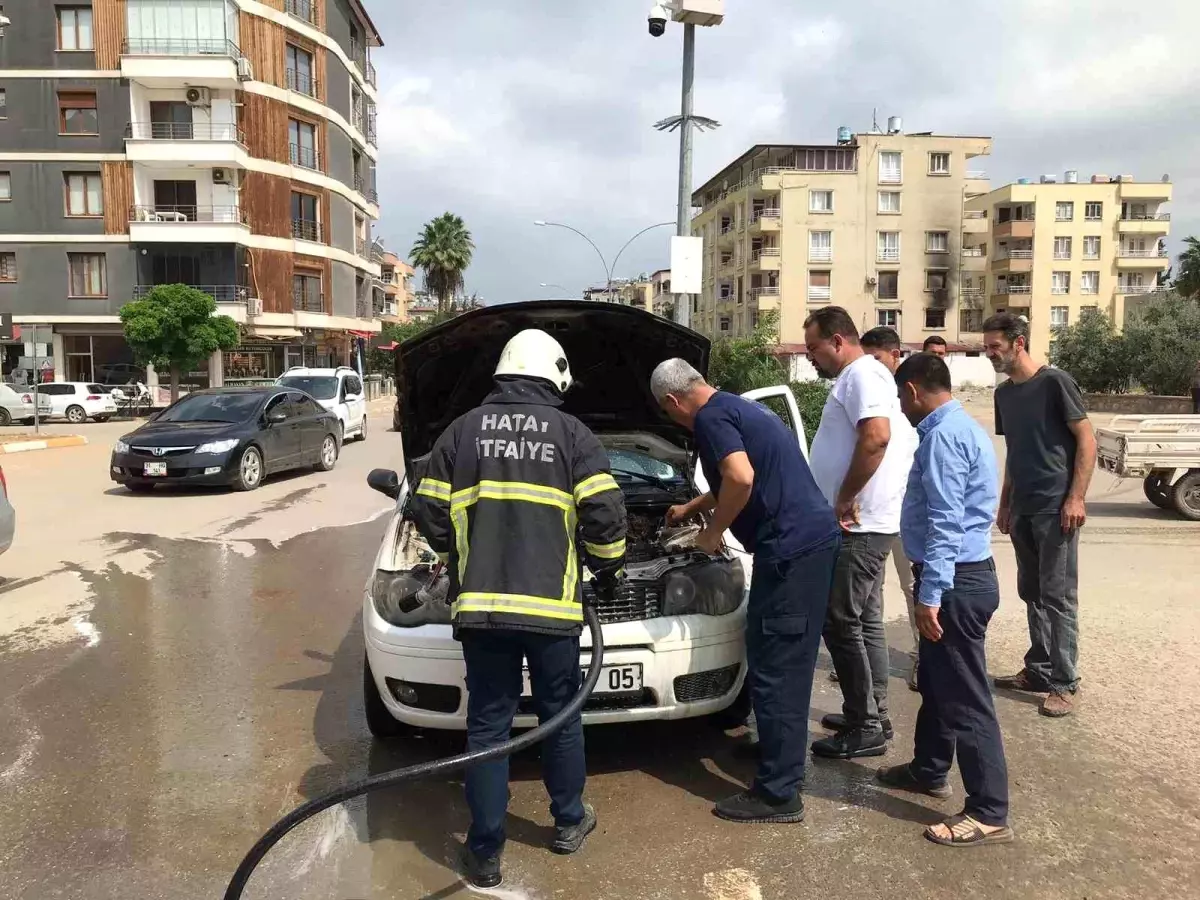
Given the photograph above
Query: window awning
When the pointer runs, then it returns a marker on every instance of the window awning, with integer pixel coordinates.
(275, 334)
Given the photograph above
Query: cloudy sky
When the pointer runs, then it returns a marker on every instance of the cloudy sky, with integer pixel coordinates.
(507, 111)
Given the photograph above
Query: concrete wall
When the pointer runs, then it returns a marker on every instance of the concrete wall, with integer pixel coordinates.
(1138, 404)
(32, 122)
(341, 225)
(42, 284)
(343, 288)
(337, 84)
(340, 154)
(38, 204)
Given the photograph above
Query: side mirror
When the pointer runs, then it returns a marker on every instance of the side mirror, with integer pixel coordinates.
(385, 481)
(275, 417)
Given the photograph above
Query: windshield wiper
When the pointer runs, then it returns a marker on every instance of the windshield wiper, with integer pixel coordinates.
(650, 479)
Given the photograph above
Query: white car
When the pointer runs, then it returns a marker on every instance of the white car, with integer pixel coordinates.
(16, 405)
(674, 636)
(339, 390)
(78, 401)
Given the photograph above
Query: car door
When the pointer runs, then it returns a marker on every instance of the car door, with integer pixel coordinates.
(355, 399)
(60, 397)
(312, 425)
(281, 440)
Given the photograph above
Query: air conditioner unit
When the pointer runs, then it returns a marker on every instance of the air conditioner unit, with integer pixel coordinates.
(872, 281)
(199, 96)
(222, 176)
(245, 70)
(254, 307)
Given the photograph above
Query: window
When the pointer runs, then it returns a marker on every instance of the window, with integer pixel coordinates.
(8, 267)
(820, 201)
(887, 285)
(820, 246)
(937, 242)
(888, 246)
(169, 26)
(818, 285)
(302, 141)
(1060, 282)
(970, 320)
(890, 167)
(306, 293)
(85, 195)
(935, 319)
(1089, 283)
(935, 279)
(5, 186)
(826, 160)
(1062, 248)
(305, 224)
(3, 104)
(1064, 211)
(939, 163)
(1086, 310)
(300, 71)
(88, 276)
(74, 28)
(77, 113)
(1091, 247)
(889, 201)
(725, 322)
(1093, 211)
(887, 318)
(1059, 316)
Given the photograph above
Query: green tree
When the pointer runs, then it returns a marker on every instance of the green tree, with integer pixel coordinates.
(443, 252)
(174, 327)
(1187, 282)
(1163, 343)
(1094, 354)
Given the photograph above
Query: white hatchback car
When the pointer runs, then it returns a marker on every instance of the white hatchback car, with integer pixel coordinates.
(78, 401)
(339, 390)
(673, 635)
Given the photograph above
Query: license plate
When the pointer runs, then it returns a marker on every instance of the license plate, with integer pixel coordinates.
(619, 679)
(154, 469)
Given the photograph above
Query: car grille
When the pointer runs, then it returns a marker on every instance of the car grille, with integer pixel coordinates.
(600, 702)
(164, 452)
(633, 602)
(706, 685)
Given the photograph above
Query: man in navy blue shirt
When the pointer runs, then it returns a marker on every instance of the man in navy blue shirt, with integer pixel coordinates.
(946, 526)
(762, 490)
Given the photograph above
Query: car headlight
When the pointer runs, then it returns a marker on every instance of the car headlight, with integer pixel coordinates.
(710, 588)
(412, 598)
(218, 446)
(120, 447)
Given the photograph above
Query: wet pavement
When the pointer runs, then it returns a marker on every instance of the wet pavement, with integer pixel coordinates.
(208, 678)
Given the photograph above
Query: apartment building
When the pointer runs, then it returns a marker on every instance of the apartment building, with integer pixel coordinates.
(663, 300)
(394, 280)
(225, 144)
(1055, 248)
(875, 223)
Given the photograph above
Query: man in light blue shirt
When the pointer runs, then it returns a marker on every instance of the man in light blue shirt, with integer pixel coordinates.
(946, 526)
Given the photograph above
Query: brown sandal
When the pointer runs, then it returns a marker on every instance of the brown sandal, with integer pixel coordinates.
(975, 837)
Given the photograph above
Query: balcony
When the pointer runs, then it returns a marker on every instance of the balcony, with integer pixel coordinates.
(968, 252)
(819, 293)
(1142, 259)
(976, 175)
(172, 144)
(305, 157)
(183, 62)
(1016, 228)
(222, 293)
(1013, 261)
(305, 10)
(307, 230)
(1003, 292)
(187, 224)
(1146, 190)
(820, 254)
(308, 301)
(971, 298)
(301, 82)
(765, 220)
(887, 255)
(371, 75)
(362, 247)
(1144, 223)
(1129, 289)
(768, 259)
(360, 185)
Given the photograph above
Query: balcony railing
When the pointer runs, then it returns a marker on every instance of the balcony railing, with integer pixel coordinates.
(767, 291)
(1016, 254)
(1143, 254)
(371, 75)
(1136, 288)
(816, 292)
(1062, 254)
(1014, 289)
(183, 131)
(820, 254)
(888, 254)
(181, 47)
(360, 185)
(977, 173)
(358, 53)
(361, 247)
(303, 9)
(362, 307)
(301, 82)
(1146, 217)
(769, 212)
(772, 252)
(726, 229)
(307, 230)
(372, 127)
(184, 213)
(305, 157)
(222, 293)
(307, 301)
(975, 214)
(972, 251)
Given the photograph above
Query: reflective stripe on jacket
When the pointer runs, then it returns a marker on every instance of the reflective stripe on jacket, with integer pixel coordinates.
(508, 488)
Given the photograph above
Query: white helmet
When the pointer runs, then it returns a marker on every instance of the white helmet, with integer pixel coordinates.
(534, 354)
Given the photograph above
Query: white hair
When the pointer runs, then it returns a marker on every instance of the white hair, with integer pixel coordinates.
(674, 376)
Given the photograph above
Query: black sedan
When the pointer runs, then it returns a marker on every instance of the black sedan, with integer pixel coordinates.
(228, 436)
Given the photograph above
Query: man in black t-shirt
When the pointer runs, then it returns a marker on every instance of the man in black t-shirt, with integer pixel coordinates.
(1051, 455)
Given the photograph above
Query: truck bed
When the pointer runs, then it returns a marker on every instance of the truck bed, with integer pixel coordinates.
(1135, 446)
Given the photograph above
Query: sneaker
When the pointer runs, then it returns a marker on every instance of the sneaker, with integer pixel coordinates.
(837, 722)
(569, 838)
(1058, 704)
(902, 777)
(749, 808)
(851, 743)
(1022, 681)
(833, 676)
(481, 873)
(912, 678)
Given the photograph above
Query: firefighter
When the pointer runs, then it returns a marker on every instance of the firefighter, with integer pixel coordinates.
(506, 489)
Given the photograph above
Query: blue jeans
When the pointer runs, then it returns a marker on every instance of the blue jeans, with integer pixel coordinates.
(787, 606)
(493, 660)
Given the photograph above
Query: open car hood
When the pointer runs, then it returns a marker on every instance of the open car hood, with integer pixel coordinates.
(447, 370)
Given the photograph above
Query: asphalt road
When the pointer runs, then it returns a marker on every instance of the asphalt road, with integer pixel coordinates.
(179, 669)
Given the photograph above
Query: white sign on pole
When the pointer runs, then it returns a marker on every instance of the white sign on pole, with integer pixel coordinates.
(686, 269)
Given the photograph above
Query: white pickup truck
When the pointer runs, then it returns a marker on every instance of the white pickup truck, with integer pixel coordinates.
(1164, 451)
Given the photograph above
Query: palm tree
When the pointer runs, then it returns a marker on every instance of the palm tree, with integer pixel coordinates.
(1188, 281)
(443, 252)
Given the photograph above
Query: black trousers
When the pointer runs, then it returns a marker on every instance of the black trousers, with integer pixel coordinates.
(957, 714)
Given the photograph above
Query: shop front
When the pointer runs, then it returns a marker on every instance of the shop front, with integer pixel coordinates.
(29, 356)
(266, 353)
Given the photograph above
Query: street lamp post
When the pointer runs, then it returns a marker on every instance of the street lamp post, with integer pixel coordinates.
(608, 270)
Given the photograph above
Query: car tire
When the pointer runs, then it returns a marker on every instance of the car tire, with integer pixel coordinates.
(250, 470)
(6, 417)
(380, 722)
(76, 415)
(1186, 496)
(362, 432)
(139, 487)
(28, 421)
(1158, 491)
(328, 454)
(101, 419)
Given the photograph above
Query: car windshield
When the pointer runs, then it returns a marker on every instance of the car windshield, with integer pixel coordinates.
(230, 408)
(632, 463)
(322, 387)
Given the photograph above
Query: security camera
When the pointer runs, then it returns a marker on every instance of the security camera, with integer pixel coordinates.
(659, 14)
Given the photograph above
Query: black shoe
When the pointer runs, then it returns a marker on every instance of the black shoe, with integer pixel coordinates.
(851, 744)
(837, 722)
(902, 777)
(481, 873)
(569, 838)
(750, 809)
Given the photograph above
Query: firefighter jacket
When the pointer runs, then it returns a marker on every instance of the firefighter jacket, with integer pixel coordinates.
(512, 492)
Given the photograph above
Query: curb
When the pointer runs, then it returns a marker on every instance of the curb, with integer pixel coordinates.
(52, 443)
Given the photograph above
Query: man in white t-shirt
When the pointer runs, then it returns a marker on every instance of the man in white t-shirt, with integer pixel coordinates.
(860, 459)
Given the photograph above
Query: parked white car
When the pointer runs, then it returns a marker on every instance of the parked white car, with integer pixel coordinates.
(674, 633)
(78, 401)
(16, 405)
(339, 390)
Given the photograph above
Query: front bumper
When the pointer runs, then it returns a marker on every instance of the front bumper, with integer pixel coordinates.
(212, 469)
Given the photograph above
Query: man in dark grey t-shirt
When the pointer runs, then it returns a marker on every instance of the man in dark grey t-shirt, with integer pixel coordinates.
(1051, 455)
